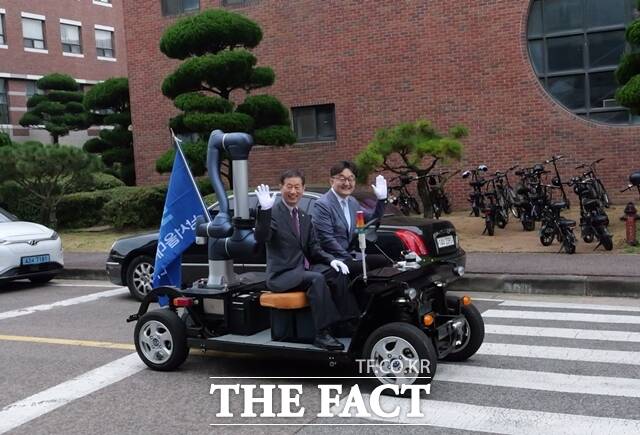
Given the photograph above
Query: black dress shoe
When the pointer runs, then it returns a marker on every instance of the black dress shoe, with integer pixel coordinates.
(324, 340)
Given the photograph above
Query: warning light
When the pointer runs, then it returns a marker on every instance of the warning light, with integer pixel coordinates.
(359, 219)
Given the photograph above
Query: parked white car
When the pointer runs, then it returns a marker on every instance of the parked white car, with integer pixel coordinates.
(28, 250)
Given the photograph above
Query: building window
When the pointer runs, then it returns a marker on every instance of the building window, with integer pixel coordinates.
(314, 123)
(33, 33)
(70, 38)
(234, 2)
(104, 43)
(31, 89)
(102, 1)
(4, 103)
(575, 47)
(175, 7)
(3, 39)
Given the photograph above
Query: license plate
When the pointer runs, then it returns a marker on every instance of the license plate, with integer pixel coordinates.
(443, 242)
(34, 259)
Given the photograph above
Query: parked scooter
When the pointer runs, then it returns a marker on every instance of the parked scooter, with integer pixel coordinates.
(593, 218)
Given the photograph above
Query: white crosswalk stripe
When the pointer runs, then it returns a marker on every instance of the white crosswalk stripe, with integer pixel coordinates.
(492, 419)
(576, 334)
(562, 316)
(567, 348)
(534, 380)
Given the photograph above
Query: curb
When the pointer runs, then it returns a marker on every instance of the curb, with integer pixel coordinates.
(572, 285)
(91, 274)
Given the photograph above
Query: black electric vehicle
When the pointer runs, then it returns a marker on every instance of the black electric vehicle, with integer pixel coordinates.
(408, 321)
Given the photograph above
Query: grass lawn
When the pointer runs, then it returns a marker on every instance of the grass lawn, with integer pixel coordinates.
(94, 239)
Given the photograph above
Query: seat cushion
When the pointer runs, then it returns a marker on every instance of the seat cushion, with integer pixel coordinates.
(284, 301)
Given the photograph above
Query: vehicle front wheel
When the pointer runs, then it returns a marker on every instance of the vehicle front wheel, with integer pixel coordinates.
(400, 353)
(139, 276)
(161, 340)
(472, 336)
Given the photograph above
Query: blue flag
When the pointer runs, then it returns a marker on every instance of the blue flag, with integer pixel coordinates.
(182, 206)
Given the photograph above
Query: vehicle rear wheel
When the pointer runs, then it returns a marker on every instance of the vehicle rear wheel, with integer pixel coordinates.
(606, 241)
(490, 226)
(546, 236)
(528, 224)
(473, 334)
(400, 353)
(139, 276)
(413, 205)
(42, 279)
(569, 243)
(161, 340)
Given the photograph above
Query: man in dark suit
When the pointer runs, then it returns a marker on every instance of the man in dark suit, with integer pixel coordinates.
(334, 217)
(296, 261)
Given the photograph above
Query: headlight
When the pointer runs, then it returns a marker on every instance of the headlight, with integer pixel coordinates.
(458, 270)
(411, 293)
(54, 236)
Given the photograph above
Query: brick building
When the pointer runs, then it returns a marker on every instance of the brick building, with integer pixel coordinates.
(529, 78)
(81, 38)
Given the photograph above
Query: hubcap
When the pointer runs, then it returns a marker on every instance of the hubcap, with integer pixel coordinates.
(463, 337)
(155, 342)
(142, 278)
(395, 361)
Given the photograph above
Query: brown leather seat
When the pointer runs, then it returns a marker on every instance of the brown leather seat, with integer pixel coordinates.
(284, 301)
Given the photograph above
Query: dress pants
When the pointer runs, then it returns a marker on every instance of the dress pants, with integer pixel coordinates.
(330, 299)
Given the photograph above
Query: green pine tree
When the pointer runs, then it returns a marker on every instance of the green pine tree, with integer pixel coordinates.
(59, 109)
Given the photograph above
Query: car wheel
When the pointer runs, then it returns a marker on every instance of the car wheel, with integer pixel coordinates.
(161, 340)
(42, 279)
(472, 336)
(400, 353)
(139, 276)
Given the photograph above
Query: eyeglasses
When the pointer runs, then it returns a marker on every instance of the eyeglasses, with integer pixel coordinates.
(342, 179)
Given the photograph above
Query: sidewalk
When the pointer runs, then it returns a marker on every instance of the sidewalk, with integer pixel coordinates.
(533, 273)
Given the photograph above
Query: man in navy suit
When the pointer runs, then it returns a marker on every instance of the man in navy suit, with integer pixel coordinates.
(334, 217)
(295, 259)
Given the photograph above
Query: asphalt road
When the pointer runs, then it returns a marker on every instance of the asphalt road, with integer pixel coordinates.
(548, 365)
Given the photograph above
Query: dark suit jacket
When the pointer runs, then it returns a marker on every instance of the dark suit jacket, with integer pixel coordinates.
(330, 224)
(285, 252)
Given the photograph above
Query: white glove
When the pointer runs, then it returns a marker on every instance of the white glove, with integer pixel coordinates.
(339, 266)
(380, 188)
(264, 197)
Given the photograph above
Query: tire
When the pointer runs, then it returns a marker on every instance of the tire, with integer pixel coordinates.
(602, 193)
(393, 341)
(569, 243)
(413, 205)
(546, 236)
(139, 276)
(502, 219)
(404, 208)
(476, 211)
(446, 205)
(490, 226)
(606, 241)
(42, 279)
(528, 224)
(161, 340)
(473, 337)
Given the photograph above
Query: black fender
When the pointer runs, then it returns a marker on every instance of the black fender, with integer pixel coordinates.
(152, 296)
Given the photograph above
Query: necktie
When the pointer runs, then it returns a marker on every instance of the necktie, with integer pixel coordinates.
(347, 214)
(295, 222)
